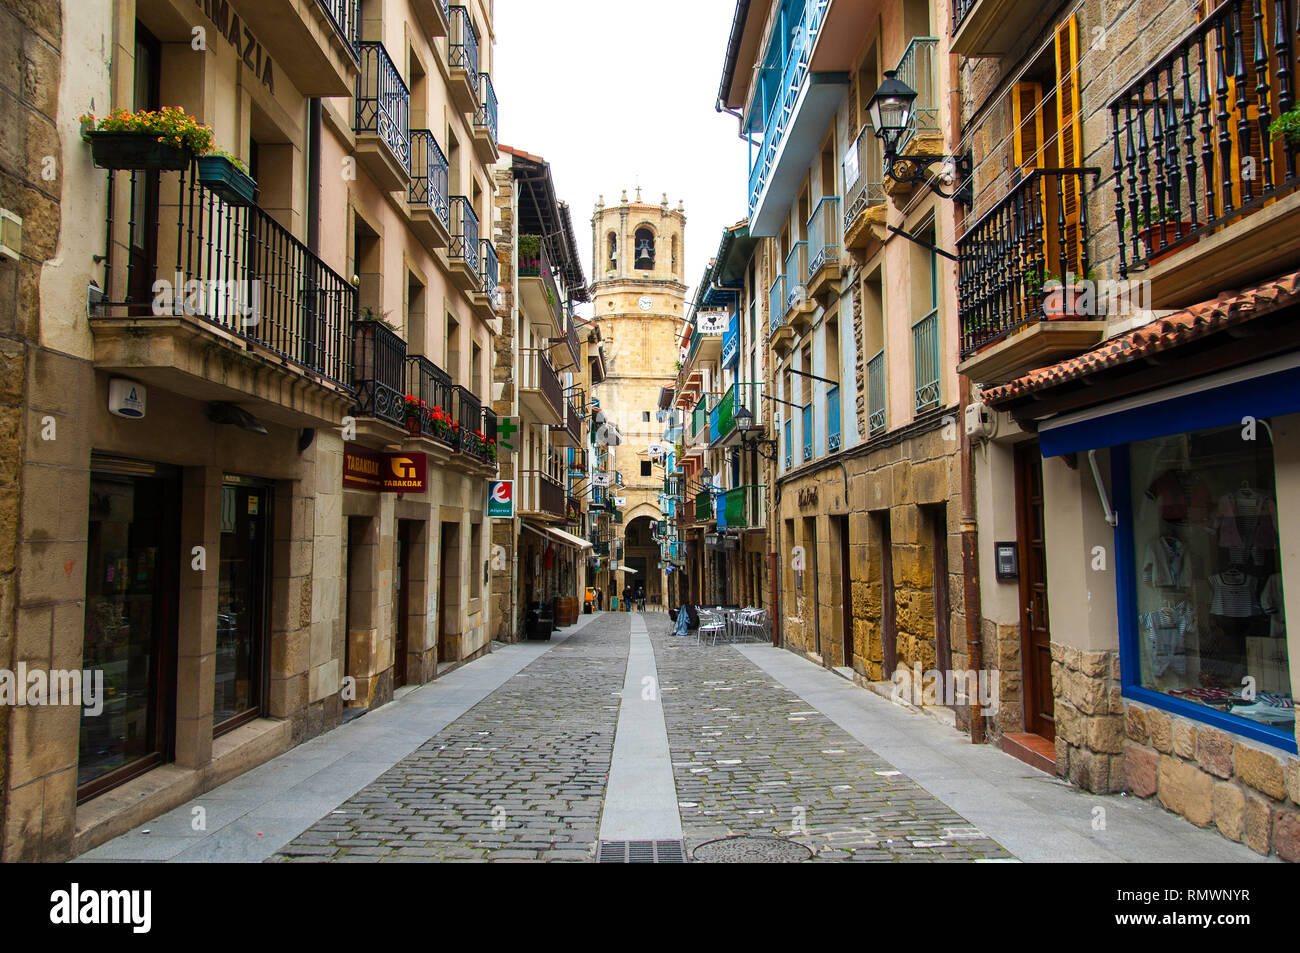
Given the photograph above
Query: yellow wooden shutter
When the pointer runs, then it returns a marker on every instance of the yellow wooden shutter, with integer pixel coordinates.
(1069, 137)
(1027, 126)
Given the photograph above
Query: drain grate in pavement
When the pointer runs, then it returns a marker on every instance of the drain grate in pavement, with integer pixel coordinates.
(641, 852)
(751, 850)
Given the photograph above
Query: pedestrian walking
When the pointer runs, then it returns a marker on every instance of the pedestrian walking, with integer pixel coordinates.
(600, 599)
(640, 597)
(627, 597)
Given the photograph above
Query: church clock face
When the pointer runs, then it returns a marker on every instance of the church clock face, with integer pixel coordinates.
(645, 302)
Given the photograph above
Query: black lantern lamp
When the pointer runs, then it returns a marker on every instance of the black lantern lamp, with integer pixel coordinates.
(891, 107)
(744, 422)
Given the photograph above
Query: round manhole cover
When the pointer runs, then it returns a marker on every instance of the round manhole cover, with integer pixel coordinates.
(751, 850)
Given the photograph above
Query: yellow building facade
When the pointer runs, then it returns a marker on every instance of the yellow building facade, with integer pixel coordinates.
(638, 256)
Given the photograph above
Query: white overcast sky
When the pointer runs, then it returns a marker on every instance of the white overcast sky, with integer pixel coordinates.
(610, 92)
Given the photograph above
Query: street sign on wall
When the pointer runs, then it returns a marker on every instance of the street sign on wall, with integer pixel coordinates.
(501, 499)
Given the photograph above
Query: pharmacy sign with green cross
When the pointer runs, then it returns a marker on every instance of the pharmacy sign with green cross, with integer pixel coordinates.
(507, 427)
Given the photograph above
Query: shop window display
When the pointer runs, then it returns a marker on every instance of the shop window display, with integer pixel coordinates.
(1210, 625)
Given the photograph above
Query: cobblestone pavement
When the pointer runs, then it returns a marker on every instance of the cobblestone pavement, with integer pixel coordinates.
(520, 776)
(751, 758)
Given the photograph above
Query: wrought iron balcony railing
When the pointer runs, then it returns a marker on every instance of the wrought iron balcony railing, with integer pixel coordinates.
(490, 270)
(256, 280)
(379, 376)
(537, 373)
(796, 274)
(864, 175)
(1191, 133)
(824, 234)
(383, 101)
(534, 263)
(809, 434)
(462, 42)
(469, 423)
(876, 394)
(776, 305)
(485, 115)
(429, 386)
(344, 14)
(832, 418)
(572, 352)
(919, 69)
(429, 175)
(464, 235)
(959, 10)
(794, 71)
(1005, 258)
(925, 361)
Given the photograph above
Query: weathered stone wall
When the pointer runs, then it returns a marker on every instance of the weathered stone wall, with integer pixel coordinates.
(31, 38)
(1089, 718)
(916, 469)
(1248, 793)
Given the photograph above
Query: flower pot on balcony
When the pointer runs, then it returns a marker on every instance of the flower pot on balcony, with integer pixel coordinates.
(1067, 302)
(221, 176)
(1165, 233)
(137, 151)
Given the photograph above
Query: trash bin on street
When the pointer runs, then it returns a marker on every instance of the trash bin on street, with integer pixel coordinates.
(540, 621)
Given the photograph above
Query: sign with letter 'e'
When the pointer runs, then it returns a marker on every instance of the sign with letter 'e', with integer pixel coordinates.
(501, 499)
(366, 469)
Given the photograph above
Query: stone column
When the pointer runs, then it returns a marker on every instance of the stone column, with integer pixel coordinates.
(196, 641)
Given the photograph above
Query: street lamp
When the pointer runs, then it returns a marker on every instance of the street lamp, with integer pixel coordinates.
(891, 109)
(766, 447)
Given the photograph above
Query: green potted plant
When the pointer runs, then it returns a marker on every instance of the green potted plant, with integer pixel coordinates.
(164, 139)
(530, 256)
(227, 177)
(1069, 299)
(1159, 229)
(416, 414)
(1287, 127)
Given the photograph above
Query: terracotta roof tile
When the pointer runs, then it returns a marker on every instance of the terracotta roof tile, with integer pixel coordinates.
(1159, 335)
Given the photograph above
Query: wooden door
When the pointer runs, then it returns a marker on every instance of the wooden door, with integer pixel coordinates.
(401, 601)
(889, 606)
(1035, 634)
(846, 591)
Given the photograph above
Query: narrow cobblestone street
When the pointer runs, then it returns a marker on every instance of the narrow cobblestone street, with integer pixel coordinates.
(524, 768)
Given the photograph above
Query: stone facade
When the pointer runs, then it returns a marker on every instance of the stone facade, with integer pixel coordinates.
(638, 342)
(34, 599)
(1089, 718)
(904, 482)
(1249, 793)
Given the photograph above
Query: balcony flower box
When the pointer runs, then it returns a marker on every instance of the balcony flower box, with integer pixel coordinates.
(221, 176)
(137, 151)
(152, 140)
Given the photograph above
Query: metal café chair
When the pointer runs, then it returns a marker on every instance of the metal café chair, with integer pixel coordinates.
(713, 623)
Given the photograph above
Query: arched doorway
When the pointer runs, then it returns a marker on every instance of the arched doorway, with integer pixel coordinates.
(641, 552)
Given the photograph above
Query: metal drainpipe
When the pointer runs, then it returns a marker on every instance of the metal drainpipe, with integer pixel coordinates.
(970, 568)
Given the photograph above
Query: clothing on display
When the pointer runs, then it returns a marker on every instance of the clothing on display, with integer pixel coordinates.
(1235, 595)
(1166, 564)
(1167, 630)
(1270, 600)
(1182, 496)
(1208, 596)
